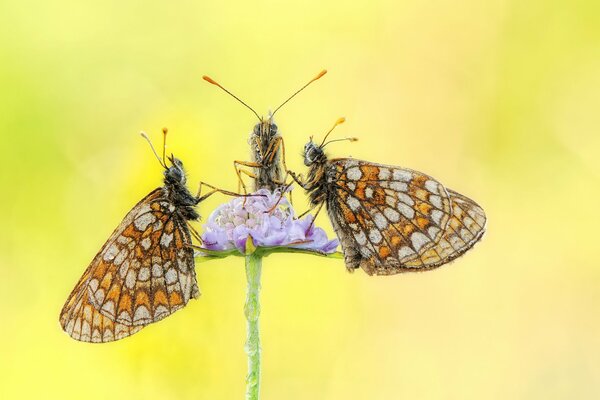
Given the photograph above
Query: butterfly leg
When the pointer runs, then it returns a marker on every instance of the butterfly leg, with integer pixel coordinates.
(239, 171)
(300, 180)
(195, 233)
(283, 192)
(214, 190)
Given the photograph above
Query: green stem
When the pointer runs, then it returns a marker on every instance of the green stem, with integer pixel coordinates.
(252, 312)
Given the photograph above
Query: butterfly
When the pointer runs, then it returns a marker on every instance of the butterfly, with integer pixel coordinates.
(267, 148)
(389, 219)
(145, 270)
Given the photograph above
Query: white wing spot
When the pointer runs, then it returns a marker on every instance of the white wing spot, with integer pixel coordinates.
(93, 284)
(433, 231)
(375, 236)
(124, 316)
(121, 257)
(109, 308)
(390, 201)
(87, 312)
(144, 209)
(405, 251)
(111, 252)
(354, 173)
(369, 192)
(130, 279)
(351, 185)
(380, 221)
(436, 216)
(144, 274)
(123, 269)
(399, 186)
(99, 295)
(391, 214)
(406, 199)
(384, 173)
(418, 240)
(402, 175)
(171, 276)
(142, 221)
(160, 311)
(141, 314)
(157, 271)
(146, 243)
(432, 186)
(108, 335)
(96, 337)
(165, 239)
(353, 203)
(436, 201)
(360, 238)
(407, 211)
(86, 329)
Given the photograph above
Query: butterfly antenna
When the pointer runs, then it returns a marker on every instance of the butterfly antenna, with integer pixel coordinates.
(350, 139)
(210, 80)
(164, 131)
(319, 75)
(162, 162)
(338, 122)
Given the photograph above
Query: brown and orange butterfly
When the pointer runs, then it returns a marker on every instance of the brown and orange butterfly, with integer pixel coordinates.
(267, 148)
(145, 270)
(390, 219)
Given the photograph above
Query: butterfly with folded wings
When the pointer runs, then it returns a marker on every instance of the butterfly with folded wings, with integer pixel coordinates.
(145, 270)
(390, 219)
(266, 145)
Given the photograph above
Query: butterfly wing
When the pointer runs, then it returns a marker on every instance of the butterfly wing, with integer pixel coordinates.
(389, 219)
(143, 273)
(465, 228)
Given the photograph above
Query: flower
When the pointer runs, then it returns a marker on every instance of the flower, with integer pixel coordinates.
(269, 220)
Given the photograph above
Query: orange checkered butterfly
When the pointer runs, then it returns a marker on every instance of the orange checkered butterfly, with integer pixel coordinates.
(145, 270)
(267, 149)
(390, 219)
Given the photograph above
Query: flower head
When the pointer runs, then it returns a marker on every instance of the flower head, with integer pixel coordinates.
(268, 219)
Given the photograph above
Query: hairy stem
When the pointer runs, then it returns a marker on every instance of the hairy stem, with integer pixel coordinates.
(252, 312)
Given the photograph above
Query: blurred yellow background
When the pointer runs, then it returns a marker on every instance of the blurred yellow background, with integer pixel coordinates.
(498, 100)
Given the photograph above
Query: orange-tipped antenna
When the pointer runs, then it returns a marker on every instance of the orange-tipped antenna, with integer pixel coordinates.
(319, 75)
(162, 162)
(350, 139)
(210, 80)
(164, 131)
(338, 122)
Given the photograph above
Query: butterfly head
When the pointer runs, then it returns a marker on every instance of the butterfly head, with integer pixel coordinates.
(265, 129)
(175, 174)
(313, 154)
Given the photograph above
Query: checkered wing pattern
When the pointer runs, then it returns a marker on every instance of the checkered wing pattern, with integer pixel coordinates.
(393, 220)
(143, 273)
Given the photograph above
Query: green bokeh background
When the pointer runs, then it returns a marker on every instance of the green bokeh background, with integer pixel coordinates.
(498, 100)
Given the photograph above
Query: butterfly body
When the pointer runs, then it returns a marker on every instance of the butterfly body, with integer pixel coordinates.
(145, 270)
(391, 219)
(266, 143)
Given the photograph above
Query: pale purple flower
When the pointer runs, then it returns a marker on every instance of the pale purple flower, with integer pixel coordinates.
(230, 225)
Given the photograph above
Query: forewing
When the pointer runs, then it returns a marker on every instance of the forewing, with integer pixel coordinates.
(144, 272)
(390, 215)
